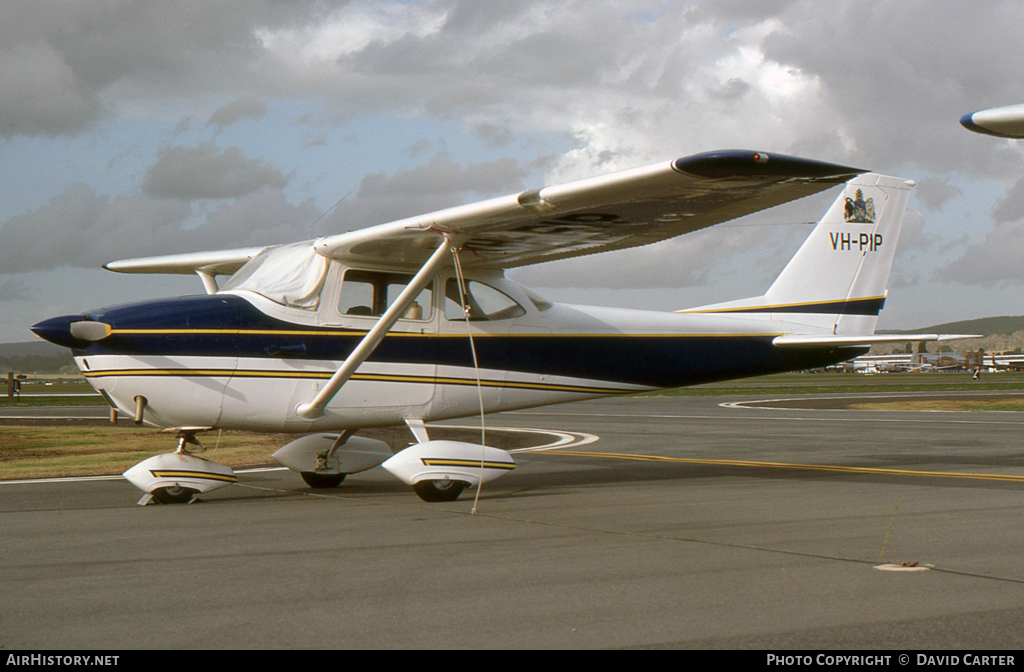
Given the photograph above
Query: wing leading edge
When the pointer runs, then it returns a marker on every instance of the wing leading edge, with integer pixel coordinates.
(626, 209)
(221, 262)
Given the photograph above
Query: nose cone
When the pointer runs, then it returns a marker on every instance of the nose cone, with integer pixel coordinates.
(58, 330)
(967, 121)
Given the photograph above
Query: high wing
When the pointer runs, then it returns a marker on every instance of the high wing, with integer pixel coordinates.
(207, 265)
(612, 212)
(223, 262)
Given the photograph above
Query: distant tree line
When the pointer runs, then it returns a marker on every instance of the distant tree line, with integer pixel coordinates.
(37, 364)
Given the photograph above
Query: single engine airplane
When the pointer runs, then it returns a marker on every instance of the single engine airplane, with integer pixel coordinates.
(413, 321)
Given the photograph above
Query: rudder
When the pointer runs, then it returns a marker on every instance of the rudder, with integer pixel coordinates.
(837, 279)
(836, 282)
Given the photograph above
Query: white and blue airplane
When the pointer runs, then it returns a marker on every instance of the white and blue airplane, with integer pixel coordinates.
(414, 321)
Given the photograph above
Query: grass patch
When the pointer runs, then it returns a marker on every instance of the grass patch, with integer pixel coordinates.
(46, 452)
(33, 451)
(55, 400)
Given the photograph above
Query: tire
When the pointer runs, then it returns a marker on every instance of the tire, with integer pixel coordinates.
(439, 491)
(322, 481)
(174, 494)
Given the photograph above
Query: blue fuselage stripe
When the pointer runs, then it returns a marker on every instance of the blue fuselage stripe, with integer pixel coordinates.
(870, 306)
(227, 326)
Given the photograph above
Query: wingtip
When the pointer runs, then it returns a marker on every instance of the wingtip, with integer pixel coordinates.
(746, 162)
(957, 337)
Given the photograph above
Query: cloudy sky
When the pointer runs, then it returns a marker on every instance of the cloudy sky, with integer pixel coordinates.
(132, 128)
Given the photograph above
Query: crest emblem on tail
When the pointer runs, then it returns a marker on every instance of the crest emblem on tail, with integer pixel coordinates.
(860, 211)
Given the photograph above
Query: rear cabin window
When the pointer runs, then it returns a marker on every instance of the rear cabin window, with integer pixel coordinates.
(483, 302)
(369, 293)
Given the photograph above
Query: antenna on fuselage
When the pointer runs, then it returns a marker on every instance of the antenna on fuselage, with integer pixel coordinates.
(328, 211)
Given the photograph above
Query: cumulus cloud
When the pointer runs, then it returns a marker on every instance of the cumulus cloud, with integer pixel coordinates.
(79, 227)
(82, 228)
(897, 78)
(996, 261)
(438, 184)
(207, 171)
(1012, 205)
(935, 192)
(263, 218)
(14, 289)
(878, 84)
(65, 67)
(40, 93)
(244, 108)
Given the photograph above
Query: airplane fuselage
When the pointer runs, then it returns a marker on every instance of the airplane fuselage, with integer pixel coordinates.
(236, 360)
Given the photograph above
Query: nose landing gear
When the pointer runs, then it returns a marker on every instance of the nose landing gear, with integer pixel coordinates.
(179, 477)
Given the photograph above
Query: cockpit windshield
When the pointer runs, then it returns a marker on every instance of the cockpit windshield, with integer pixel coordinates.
(291, 275)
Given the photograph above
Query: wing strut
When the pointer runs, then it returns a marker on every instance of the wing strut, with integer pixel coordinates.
(315, 408)
(209, 281)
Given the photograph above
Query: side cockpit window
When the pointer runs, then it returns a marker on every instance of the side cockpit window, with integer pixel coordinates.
(369, 293)
(291, 275)
(483, 301)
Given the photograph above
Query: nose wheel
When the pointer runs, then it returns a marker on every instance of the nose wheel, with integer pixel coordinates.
(179, 477)
(174, 494)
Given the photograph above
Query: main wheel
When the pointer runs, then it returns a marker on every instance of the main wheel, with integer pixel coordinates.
(317, 480)
(439, 491)
(174, 494)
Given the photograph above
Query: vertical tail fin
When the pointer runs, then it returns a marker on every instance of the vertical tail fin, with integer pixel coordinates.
(836, 282)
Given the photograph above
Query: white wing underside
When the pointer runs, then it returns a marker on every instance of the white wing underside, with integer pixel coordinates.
(617, 211)
(221, 262)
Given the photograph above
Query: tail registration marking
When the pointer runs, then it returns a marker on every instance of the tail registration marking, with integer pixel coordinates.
(872, 242)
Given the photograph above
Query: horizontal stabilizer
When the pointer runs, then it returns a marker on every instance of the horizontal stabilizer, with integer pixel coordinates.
(803, 341)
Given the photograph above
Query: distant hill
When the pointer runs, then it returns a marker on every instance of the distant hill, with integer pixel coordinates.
(986, 326)
(34, 357)
(34, 348)
(999, 334)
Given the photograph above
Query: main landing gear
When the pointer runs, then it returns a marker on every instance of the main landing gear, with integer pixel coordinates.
(324, 460)
(439, 471)
(320, 481)
(439, 490)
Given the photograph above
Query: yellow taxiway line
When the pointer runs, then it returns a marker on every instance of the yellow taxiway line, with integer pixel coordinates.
(788, 465)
